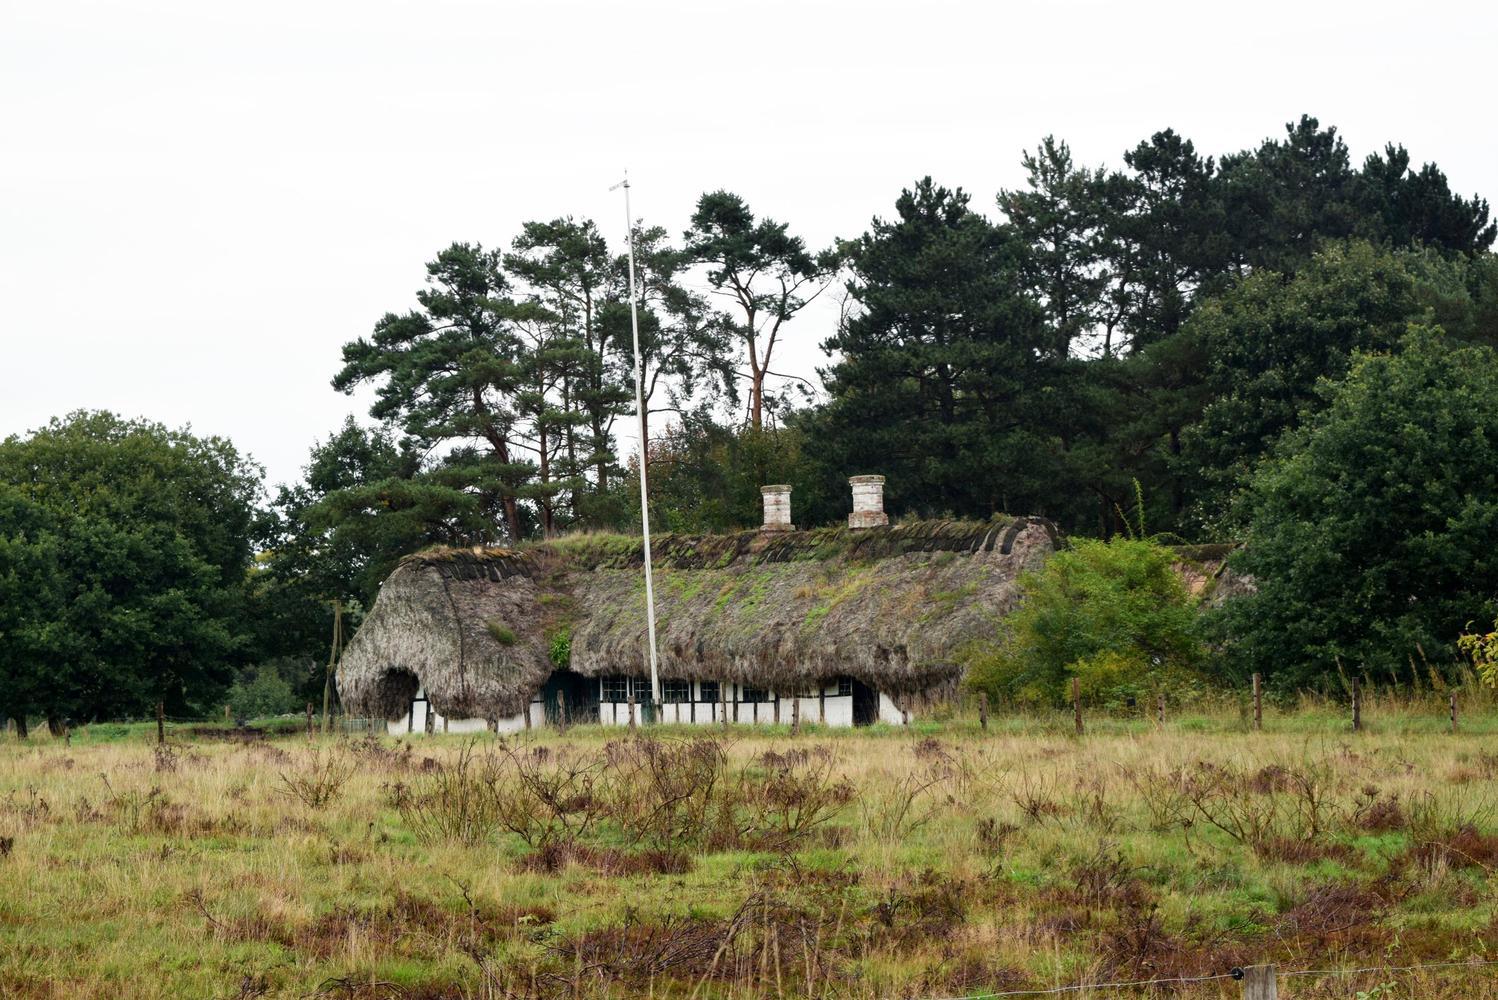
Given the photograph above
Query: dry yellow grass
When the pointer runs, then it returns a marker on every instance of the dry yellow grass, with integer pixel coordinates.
(955, 863)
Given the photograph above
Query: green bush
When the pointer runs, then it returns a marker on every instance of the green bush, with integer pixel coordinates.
(262, 693)
(561, 648)
(1112, 614)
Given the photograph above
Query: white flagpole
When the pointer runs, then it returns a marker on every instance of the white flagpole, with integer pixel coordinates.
(634, 322)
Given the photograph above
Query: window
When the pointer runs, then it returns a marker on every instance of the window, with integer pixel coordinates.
(615, 689)
(845, 687)
(676, 691)
(708, 691)
(641, 688)
(752, 694)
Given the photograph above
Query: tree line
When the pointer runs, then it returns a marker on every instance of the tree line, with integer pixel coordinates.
(1110, 348)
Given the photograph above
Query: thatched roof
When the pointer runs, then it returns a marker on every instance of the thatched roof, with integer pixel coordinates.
(901, 608)
(443, 621)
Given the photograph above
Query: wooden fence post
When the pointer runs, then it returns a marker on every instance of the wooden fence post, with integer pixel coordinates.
(161, 721)
(527, 717)
(1259, 983)
(796, 716)
(983, 710)
(227, 717)
(309, 720)
(1258, 702)
(631, 706)
(1357, 705)
(1160, 710)
(1076, 702)
(1453, 711)
(561, 711)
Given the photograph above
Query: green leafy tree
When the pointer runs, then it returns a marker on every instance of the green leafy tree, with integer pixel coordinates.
(32, 609)
(937, 374)
(365, 500)
(568, 267)
(684, 345)
(1373, 530)
(1286, 197)
(450, 372)
(766, 273)
(1163, 239)
(1060, 216)
(548, 360)
(1408, 207)
(706, 477)
(1114, 615)
(1267, 342)
(150, 530)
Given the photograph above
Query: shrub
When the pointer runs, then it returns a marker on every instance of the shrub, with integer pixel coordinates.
(452, 800)
(561, 648)
(262, 692)
(322, 780)
(1113, 614)
(1483, 649)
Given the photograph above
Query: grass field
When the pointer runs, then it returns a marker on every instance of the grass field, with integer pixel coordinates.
(936, 862)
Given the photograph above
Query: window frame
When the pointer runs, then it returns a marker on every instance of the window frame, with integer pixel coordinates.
(613, 684)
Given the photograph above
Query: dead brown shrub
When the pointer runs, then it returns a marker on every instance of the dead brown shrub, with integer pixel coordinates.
(1105, 880)
(928, 908)
(1464, 847)
(1374, 813)
(607, 861)
(1336, 917)
(994, 836)
(321, 779)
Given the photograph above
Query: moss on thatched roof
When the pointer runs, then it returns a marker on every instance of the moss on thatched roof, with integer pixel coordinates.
(900, 608)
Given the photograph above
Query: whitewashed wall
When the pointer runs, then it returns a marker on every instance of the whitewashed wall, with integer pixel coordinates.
(839, 709)
(890, 712)
(415, 721)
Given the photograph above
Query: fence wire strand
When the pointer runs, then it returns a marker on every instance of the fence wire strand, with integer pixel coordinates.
(1236, 974)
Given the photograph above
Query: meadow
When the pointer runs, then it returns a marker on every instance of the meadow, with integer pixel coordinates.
(942, 860)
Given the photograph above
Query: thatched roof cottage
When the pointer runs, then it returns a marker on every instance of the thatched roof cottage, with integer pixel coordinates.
(842, 625)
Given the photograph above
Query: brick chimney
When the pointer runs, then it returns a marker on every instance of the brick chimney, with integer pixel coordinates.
(868, 502)
(777, 508)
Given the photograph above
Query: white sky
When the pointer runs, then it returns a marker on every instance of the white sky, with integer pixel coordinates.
(200, 202)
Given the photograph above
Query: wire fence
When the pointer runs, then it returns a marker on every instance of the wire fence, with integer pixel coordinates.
(1237, 974)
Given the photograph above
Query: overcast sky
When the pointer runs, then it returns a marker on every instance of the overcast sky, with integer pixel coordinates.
(200, 201)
